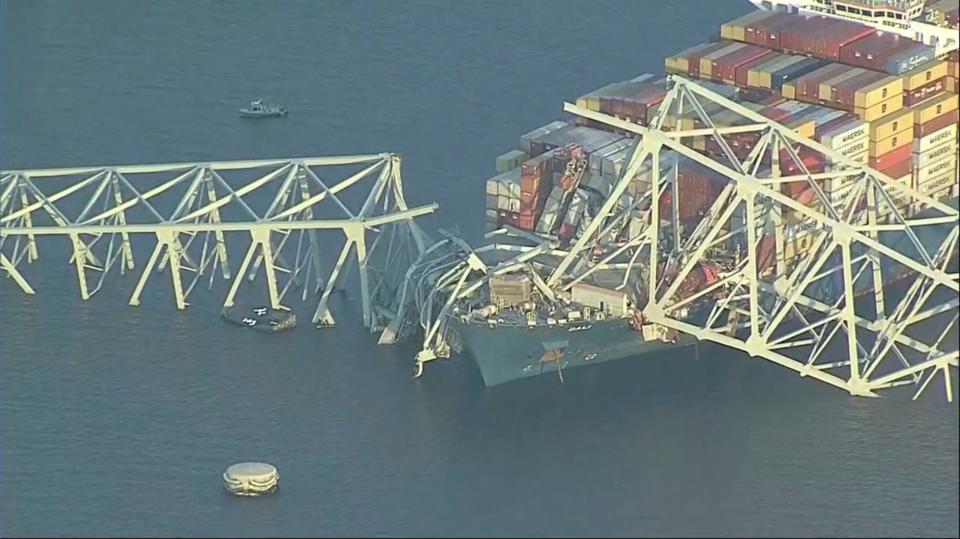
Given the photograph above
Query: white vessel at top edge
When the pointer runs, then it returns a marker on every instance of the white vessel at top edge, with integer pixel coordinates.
(897, 16)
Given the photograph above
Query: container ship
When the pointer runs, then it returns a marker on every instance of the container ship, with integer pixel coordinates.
(832, 72)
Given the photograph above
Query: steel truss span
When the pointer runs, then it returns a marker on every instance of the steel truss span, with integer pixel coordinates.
(822, 313)
(190, 208)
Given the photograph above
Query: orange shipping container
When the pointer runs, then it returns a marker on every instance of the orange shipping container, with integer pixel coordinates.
(894, 122)
(928, 110)
(889, 159)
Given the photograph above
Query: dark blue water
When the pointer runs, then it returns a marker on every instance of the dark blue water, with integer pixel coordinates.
(120, 420)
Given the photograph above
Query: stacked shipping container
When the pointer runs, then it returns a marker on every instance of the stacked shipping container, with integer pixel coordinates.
(873, 97)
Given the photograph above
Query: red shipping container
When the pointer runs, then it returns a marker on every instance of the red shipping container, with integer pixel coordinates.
(808, 86)
(847, 90)
(885, 51)
(897, 170)
(931, 89)
(509, 218)
(744, 69)
(802, 36)
(526, 220)
(891, 158)
(694, 58)
(821, 37)
(725, 67)
(936, 124)
(766, 32)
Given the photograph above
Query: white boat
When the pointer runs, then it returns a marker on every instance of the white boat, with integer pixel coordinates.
(258, 109)
(901, 17)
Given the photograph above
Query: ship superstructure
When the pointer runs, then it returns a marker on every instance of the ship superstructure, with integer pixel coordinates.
(931, 24)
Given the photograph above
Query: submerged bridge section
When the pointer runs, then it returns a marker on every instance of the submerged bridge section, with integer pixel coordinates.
(278, 207)
(826, 312)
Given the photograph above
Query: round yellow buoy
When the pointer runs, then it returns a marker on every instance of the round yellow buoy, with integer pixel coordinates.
(251, 479)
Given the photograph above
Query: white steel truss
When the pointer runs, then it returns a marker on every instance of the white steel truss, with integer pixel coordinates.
(193, 206)
(826, 312)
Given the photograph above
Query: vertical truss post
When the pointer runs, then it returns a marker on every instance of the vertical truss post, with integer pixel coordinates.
(215, 218)
(175, 252)
(122, 219)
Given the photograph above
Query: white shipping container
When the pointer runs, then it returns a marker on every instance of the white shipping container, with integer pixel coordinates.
(548, 219)
(845, 134)
(576, 208)
(855, 148)
(942, 195)
(492, 202)
(863, 158)
(900, 199)
(938, 183)
(838, 189)
(493, 186)
(923, 175)
(509, 188)
(947, 134)
(934, 155)
(597, 157)
(604, 299)
(510, 160)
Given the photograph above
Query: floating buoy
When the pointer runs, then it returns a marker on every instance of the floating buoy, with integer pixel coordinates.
(251, 479)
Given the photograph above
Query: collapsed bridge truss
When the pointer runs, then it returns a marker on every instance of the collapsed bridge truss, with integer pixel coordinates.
(826, 313)
(190, 208)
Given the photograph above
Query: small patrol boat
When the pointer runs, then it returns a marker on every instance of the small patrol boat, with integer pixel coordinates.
(260, 318)
(259, 109)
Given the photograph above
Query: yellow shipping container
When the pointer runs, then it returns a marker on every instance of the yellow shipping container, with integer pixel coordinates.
(737, 28)
(593, 103)
(894, 122)
(879, 110)
(879, 92)
(761, 76)
(826, 87)
(799, 245)
(928, 110)
(706, 63)
(804, 128)
(951, 85)
(789, 90)
(924, 74)
(678, 64)
(897, 140)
